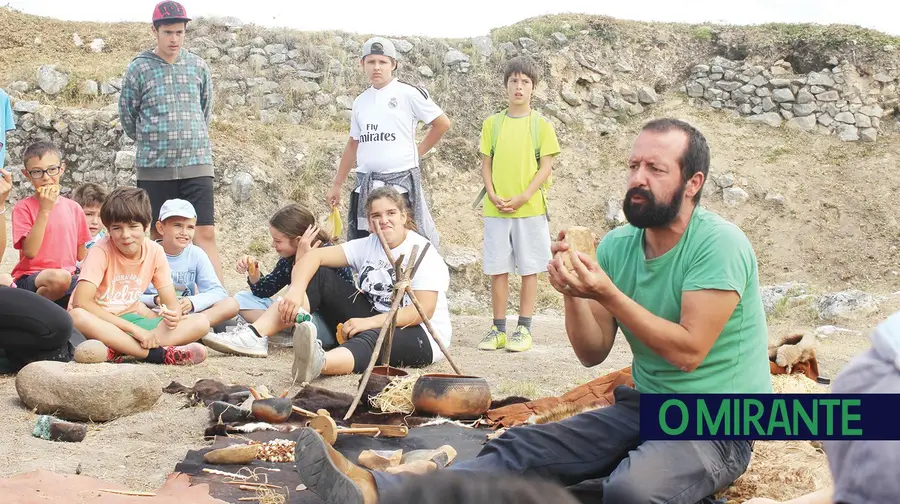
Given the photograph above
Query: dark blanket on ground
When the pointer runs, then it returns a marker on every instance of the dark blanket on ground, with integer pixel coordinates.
(467, 442)
(310, 398)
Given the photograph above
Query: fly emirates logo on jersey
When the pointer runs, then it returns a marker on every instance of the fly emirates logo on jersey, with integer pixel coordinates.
(373, 135)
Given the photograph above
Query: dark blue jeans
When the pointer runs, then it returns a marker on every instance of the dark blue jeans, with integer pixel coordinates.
(599, 457)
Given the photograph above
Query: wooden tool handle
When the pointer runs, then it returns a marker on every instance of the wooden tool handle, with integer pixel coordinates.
(298, 409)
(386, 430)
(368, 431)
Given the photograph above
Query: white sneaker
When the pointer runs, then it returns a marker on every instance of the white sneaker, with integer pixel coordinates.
(241, 341)
(309, 356)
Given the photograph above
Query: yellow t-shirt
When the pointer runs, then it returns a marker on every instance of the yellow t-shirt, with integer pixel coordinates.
(513, 166)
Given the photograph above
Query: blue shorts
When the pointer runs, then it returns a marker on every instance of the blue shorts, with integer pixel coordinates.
(247, 301)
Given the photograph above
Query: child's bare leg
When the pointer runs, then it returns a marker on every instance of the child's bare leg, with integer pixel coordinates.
(225, 309)
(6, 280)
(528, 296)
(190, 329)
(94, 328)
(499, 295)
(338, 361)
(270, 321)
(251, 315)
(53, 283)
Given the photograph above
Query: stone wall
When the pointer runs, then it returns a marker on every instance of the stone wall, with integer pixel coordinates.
(833, 101)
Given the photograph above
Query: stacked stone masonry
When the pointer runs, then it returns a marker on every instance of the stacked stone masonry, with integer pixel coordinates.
(833, 101)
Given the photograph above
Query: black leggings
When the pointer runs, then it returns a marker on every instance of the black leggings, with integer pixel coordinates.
(33, 328)
(337, 301)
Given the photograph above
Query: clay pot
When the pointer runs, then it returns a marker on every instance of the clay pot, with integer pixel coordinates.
(379, 379)
(451, 396)
(272, 410)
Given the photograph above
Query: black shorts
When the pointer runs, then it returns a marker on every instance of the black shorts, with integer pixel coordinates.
(197, 191)
(27, 282)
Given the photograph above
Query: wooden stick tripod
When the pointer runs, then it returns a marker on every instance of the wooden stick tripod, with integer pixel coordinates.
(402, 280)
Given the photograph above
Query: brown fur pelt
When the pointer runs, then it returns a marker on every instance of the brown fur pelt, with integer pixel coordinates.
(337, 404)
(206, 391)
(792, 349)
(560, 412)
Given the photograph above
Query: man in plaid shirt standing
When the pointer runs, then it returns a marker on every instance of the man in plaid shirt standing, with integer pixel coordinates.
(165, 106)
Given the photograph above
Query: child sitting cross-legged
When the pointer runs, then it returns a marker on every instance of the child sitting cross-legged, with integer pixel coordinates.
(196, 284)
(106, 304)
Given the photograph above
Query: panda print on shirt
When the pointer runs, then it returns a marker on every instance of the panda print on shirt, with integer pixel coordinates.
(376, 279)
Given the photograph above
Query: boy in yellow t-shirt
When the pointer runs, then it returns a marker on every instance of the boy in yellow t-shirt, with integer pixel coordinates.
(517, 147)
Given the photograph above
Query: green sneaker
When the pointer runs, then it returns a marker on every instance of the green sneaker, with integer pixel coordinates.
(520, 340)
(495, 340)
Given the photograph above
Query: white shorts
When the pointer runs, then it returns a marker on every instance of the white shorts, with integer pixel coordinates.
(512, 243)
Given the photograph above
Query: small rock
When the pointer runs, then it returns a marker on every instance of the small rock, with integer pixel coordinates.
(43, 116)
(615, 215)
(818, 79)
(804, 109)
(758, 81)
(89, 88)
(459, 258)
(424, 71)
(823, 332)
(50, 80)
(344, 101)
(871, 110)
(775, 199)
(560, 38)
(694, 89)
(846, 305)
(97, 45)
(868, 134)
(848, 133)
(781, 95)
(825, 120)
(622, 66)
(862, 120)
(734, 196)
(883, 77)
(771, 118)
(77, 40)
(570, 97)
(124, 160)
(805, 123)
(257, 61)
(508, 49)
(528, 44)
(725, 180)
(845, 117)
(484, 45)
(402, 46)
(20, 86)
(454, 56)
(772, 294)
(242, 187)
(804, 97)
(829, 96)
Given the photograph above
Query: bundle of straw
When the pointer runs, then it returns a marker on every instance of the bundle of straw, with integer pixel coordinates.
(396, 396)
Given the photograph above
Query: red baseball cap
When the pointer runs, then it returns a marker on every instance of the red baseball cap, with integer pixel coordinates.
(168, 10)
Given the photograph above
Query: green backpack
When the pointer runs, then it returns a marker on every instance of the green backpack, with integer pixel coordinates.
(534, 128)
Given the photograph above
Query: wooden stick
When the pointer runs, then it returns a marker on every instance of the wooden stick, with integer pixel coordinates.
(223, 473)
(248, 484)
(402, 276)
(128, 492)
(434, 334)
(298, 409)
(416, 267)
(374, 358)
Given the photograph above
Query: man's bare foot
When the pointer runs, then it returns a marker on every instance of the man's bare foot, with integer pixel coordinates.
(329, 474)
(417, 467)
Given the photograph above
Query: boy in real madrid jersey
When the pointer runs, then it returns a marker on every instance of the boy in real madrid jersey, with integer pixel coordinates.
(382, 141)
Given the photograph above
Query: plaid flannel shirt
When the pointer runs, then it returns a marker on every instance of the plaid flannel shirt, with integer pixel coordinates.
(166, 108)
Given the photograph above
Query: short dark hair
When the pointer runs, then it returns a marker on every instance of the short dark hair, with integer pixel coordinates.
(456, 487)
(522, 65)
(40, 149)
(126, 205)
(89, 194)
(695, 157)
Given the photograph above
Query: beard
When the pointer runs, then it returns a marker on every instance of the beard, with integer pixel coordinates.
(651, 213)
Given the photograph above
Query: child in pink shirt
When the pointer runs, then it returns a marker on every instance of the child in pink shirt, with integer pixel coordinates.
(49, 231)
(106, 304)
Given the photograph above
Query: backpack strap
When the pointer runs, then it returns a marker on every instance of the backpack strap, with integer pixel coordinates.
(495, 129)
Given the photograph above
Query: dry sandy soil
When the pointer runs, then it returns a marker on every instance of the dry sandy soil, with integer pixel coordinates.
(140, 450)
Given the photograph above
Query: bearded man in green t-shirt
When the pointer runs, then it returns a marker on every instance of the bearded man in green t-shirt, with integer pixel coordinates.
(682, 284)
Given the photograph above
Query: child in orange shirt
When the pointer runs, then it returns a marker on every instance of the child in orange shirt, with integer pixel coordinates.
(106, 304)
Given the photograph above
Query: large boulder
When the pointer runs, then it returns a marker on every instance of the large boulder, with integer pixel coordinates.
(87, 392)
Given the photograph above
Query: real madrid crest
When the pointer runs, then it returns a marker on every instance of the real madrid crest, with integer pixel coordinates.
(393, 102)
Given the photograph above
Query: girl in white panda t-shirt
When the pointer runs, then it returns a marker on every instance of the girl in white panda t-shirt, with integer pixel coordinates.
(362, 316)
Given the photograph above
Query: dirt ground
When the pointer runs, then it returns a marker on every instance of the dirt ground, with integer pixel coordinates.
(140, 450)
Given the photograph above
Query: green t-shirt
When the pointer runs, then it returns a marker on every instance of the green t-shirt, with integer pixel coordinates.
(513, 166)
(712, 254)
